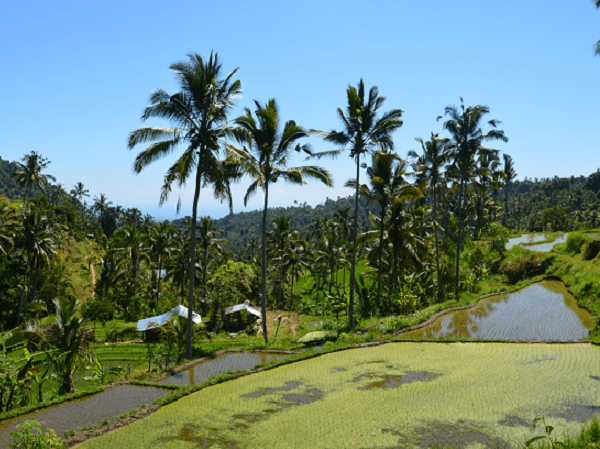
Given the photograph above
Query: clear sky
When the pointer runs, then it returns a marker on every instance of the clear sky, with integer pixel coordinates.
(77, 75)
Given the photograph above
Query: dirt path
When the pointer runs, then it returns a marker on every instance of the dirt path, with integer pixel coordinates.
(93, 271)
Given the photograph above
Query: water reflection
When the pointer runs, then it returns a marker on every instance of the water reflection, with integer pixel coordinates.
(222, 364)
(87, 411)
(532, 238)
(544, 311)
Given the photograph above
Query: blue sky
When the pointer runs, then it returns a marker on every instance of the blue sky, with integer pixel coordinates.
(77, 75)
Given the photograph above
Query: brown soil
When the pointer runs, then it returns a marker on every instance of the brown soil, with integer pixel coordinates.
(288, 325)
(93, 271)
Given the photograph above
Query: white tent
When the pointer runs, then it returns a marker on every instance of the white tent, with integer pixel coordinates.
(156, 321)
(246, 306)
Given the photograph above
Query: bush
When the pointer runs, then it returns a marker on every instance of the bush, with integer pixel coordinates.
(525, 265)
(590, 249)
(30, 435)
(574, 242)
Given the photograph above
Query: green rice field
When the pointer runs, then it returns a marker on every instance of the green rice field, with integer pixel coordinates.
(413, 395)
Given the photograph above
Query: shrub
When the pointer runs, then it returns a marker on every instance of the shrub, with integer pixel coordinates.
(30, 435)
(590, 249)
(574, 242)
(525, 265)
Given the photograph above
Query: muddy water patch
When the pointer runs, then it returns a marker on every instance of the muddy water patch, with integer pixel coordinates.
(290, 385)
(395, 381)
(459, 434)
(543, 311)
(222, 364)
(87, 411)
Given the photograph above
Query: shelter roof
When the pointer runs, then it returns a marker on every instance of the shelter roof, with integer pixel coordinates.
(160, 320)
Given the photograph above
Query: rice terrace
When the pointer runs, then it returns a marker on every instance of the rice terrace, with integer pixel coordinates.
(371, 225)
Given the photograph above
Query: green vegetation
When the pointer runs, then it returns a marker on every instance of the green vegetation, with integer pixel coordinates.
(419, 236)
(415, 393)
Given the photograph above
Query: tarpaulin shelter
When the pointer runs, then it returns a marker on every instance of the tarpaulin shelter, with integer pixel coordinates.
(160, 320)
(240, 325)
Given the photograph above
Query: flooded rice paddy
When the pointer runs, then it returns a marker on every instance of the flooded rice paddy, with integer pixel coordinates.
(222, 364)
(544, 311)
(409, 395)
(86, 411)
(527, 239)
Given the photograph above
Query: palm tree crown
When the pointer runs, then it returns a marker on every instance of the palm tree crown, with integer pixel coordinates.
(29, 173)
(198, 113)
(364, 132)
(266, 159)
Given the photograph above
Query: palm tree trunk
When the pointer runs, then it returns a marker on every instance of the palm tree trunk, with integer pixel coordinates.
(437, 251)
(354, 237)
(458, 239)
(159, 279)
(380, 259)
(192, 271)
(263, 251)
(25, 281)
(292, 289)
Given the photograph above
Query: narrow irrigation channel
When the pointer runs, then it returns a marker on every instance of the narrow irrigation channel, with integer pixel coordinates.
(221, 364)
(526, 241)
(86, 411)
(542, 311)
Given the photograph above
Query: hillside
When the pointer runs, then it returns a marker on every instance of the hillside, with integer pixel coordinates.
(8, 186)
(241, 227)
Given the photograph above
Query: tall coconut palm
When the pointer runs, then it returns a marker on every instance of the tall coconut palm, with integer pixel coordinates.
(210, 251)
(71, 339)
(266, 161)
(387, 183)
(79, 191)
(131, 253)
(465, 127)
(159, 241)
(29, 173)
(101, 204)
(509, 174)
(437, 153)
(198, 111)
(363, 133)
(38, 238)
(7, 229)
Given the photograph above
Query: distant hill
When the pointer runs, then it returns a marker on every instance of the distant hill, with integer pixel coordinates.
(243, 226)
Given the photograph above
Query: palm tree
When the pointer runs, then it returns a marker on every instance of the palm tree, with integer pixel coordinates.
(71, 339)
(79, 191)
(159, 241)
(465, 127)
(29, 174)
(7, 225)
(277, 244)
(210, 251)
(132, 254)
(437, 153)
(38, 239)
(272, 148)
(101, 204)
(363, 132)
(386, 176)
(509, 175)
(199, 112)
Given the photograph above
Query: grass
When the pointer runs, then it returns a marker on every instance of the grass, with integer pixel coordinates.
(474, 393)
